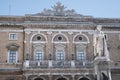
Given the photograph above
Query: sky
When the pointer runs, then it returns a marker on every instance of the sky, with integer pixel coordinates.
(95, 8)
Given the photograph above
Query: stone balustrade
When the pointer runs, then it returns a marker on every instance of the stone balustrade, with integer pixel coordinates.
(57, 64)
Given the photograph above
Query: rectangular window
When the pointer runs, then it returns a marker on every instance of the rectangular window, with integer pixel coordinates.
(38, 55)
(60, 55)
(13, 36)
(12, 57)
(81, 55)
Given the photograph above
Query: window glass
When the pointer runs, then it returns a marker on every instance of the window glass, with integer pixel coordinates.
(60, 55)
(80, 55)
(38, 55)
(39, 38)
(13, 36)
(80, 38)
(59, 38)
(12, 56)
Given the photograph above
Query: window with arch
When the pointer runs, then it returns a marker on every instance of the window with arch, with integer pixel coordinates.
(60, 38)
(80, 38)
(38, 38)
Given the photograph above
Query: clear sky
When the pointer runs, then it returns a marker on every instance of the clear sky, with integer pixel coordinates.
(95, 8)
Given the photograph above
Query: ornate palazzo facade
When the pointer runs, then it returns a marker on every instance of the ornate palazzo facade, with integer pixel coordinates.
(56, 44)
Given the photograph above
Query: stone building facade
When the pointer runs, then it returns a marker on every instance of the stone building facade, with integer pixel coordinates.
(56, 44)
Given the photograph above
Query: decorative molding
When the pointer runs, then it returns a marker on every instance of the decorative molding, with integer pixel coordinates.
(49, 32)
(11, 30)
(38, 41)
(60, 47)
(27, 32)
(61, 30)
(111, 31)
(80, 42)
(58, 10)
(58, 41)
(70, 32)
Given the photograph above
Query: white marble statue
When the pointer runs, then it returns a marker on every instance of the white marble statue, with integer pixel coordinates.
(99, 43)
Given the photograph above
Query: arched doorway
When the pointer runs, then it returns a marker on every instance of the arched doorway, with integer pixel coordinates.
(83, 78)
(61, 79)
(38, 79)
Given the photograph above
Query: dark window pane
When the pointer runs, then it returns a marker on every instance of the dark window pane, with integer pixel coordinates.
(59, 38)
(38, 38)
(80, 38)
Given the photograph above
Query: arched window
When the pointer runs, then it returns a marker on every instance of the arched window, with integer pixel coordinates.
(61, 79)
(38, 79)
(60, 38)
(83, 78)
(38, 38)
(80, 38)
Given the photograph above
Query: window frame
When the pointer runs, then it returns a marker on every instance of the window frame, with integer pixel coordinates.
(16, 56)
(11, 37)
(60, 57)
(81, 55)
(39, 58)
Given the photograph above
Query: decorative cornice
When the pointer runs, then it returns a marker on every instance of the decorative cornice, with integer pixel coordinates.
(10, 30)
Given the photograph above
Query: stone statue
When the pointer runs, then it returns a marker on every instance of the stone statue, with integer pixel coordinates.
(100, 46)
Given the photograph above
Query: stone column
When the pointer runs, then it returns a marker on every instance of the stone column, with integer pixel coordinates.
(50, 77)
(50, 45)
(27, 45)
(73, 77)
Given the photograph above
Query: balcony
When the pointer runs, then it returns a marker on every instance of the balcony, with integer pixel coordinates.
(57, 64)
